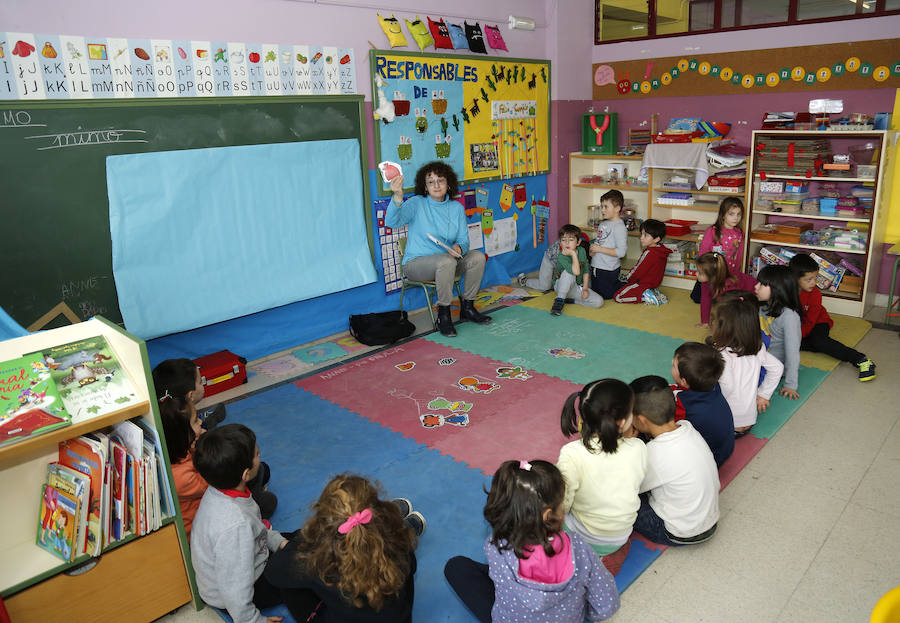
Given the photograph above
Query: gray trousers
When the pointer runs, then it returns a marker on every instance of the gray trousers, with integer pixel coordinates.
(567, 288)
(443, 268)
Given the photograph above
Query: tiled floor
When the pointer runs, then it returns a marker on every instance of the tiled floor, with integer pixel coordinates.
(808, 532)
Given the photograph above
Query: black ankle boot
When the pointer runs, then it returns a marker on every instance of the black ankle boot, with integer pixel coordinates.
(444, 322)
(468, 311)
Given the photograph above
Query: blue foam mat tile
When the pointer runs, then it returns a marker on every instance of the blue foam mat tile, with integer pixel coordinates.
(640, 556)
(298, 433)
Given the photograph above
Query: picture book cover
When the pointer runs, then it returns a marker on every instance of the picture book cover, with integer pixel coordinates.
(81, 454)
(119, 518)
(57, 523)
(77, 485)
(29, 402)
(89, 377)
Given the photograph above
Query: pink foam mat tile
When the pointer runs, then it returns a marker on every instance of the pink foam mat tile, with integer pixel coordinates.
(506, 415)
(745, 449)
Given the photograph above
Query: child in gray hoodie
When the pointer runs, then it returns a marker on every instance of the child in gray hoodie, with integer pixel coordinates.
(535, 572)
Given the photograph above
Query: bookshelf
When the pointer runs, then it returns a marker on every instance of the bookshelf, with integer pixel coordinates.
(35, 585)
(854, 298)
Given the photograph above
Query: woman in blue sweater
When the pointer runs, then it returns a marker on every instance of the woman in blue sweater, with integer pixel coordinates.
(437, 241)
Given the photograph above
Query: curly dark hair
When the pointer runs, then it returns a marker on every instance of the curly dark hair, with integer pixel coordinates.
(440, 169)
(369, 564)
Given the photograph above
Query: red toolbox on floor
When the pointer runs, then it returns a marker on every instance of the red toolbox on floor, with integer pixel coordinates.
(220, 371)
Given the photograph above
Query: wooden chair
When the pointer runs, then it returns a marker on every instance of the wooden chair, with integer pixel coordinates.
(427, 286)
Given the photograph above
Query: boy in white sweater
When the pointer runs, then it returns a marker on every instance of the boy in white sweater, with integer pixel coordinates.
(230, 545)
(680, 492)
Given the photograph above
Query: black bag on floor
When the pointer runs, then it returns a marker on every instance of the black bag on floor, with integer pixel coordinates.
(381, 328)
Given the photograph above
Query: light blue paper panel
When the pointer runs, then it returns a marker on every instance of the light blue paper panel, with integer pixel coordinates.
(205, 235)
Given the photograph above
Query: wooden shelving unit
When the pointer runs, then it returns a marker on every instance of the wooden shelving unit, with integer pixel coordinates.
(855, 303)
(141, 577)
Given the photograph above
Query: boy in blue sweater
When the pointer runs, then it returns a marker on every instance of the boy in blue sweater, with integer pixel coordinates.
(696, 369)
(230, 545)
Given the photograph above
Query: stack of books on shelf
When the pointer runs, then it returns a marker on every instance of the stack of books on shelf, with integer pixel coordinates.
(836, 274)
(105, 485)
(676, 199)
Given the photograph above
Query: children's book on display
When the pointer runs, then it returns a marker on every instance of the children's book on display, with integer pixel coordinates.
(29, 402)
(89, 378)
(57, 523)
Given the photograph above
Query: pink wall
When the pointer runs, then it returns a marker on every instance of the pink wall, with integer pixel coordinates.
(743, 110)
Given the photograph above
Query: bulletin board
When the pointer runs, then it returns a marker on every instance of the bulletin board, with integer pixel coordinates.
(488, 118)
(858, 65)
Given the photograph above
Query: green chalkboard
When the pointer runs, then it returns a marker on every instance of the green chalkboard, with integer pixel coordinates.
(56, 238)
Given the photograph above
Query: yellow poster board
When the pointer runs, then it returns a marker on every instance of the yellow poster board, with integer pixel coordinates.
(488, 118)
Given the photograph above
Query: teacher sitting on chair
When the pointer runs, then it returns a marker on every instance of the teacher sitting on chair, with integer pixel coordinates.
(437, 242)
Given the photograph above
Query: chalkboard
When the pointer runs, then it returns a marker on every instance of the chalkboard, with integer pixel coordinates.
(53, 181)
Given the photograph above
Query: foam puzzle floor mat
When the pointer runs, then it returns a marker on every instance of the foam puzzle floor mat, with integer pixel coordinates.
(430, 419)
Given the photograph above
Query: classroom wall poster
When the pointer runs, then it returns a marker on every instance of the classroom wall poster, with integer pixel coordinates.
(488, 118)
(41, 66)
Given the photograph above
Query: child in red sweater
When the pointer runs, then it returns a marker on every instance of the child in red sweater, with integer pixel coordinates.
(647, 274)
(815, 323)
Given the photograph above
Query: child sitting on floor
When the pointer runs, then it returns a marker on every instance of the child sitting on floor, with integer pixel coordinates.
(353, 560)
(780, 320)
(815, 323)
(680, 493)
(646, 275)
(715, 279)
(603, 470)
(230, 545)
(736, 334)
(696, 369)
(574, 281)
(178, 389)
(535, 572)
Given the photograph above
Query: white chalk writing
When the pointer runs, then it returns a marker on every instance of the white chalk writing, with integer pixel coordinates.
(89, 137)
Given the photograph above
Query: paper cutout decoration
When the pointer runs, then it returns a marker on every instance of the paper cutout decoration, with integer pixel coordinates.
(458, 37)
(494, 38)
(446, 361)
(487, 222)
(521, 197)
(401, 104)
(442, 404)
(469, 201)
(389, 170)
(391, 27)
(440, 33)
(481, 198)
(420, 33)
(565, 352)
(540, 214)
(475, 37)
(513, 372)
(470, 383)
(506, 197)
(406, 366)
(432, 420)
